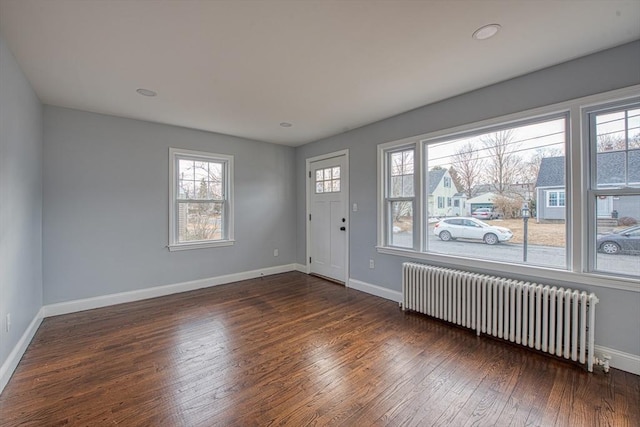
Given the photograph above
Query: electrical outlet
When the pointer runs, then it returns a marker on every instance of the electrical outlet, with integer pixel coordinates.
(275, 252)
(355, 207)
(372, 264)
(8, 324)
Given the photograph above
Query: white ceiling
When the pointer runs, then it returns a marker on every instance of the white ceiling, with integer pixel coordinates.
(243, 67)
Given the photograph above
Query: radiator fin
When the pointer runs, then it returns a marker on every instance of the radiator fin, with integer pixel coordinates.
(554, 320)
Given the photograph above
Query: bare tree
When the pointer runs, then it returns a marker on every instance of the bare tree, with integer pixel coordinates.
(204, 217)
(201, 184)
(504, 165)
(610, 142)
(468, 166)
(455, 178)
(634, 140)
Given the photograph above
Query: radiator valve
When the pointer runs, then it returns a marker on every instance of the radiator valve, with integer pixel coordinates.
(604, 362)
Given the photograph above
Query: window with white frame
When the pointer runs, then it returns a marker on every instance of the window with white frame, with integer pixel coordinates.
(517, 167)
(614, 202)
(498, 166)
(328, 180)
(201, 199)
(556, 199)
(399, 197)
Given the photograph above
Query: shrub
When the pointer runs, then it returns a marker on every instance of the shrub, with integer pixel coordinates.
(627, 221)
(510, 208)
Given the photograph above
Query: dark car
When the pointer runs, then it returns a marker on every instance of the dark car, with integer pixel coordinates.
(621, 241)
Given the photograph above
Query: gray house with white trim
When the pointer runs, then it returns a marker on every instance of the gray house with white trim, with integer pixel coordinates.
(550, 189)
(614, 169)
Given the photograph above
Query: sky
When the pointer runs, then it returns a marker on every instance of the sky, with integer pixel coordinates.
(527, 140)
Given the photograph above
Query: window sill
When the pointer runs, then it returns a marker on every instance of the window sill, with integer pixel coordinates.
(534, 273)
(200, 245)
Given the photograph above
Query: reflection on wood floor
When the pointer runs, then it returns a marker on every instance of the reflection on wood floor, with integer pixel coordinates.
(293, 349)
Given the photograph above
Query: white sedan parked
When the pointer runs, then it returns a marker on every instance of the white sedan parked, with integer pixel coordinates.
(471, 228)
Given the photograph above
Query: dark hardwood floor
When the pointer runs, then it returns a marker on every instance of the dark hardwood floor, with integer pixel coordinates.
(296, 350)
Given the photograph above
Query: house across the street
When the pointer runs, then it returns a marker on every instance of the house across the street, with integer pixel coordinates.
(444, 197)
(613, 168)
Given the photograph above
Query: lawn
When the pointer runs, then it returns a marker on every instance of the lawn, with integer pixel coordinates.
(539, 233)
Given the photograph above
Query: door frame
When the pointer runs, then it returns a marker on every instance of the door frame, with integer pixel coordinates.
(344, 176)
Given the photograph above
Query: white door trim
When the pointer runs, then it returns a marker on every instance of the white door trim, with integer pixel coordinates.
(344, 175)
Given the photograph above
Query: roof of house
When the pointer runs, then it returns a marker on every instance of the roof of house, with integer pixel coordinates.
(435, 176)
(551, 172)
(482, 198)
(510, 189)
(610, 169)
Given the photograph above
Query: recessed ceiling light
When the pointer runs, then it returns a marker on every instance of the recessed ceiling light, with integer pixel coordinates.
(286, 124)
(146, 92)
(486, 31)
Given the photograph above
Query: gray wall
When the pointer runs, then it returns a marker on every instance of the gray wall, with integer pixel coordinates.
(106, 189)
(627, 206)
(548, 212)
(103, 222)
(616, 68)
(20, 202)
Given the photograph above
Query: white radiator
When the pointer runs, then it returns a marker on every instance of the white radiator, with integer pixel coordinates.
(554, 320)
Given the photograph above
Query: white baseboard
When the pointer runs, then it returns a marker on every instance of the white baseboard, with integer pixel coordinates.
(619, 359)
(376, 290)
(9, 366)
(159, 291)
(302, 268)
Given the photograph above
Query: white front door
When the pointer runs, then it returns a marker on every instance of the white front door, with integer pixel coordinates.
(328, 222)
(605, 206)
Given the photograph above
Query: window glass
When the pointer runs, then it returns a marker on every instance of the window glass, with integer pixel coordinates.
(495, 174)
(200, 199)
(402, 226)
(400, 198)
(200, 181)
(615, 190)
(402, 174)
(502, 193)
(328, 180)
(199, 221)
(618, 234)
(617, 143)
